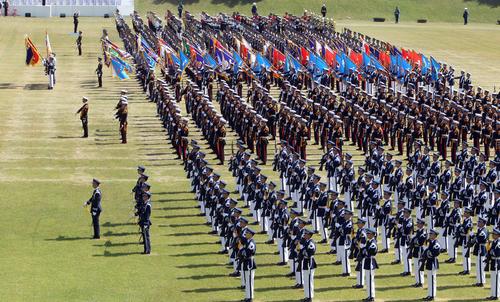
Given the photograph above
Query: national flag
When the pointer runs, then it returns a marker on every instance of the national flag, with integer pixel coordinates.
(319, 48)
(47, 44)
(119, 69)
(32, 54)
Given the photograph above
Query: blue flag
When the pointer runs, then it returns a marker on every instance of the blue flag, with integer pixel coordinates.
(151, 62)
(349, 64)
(404, 66)
(184, 61)
(435, 69)
(294, 63)
(209, 61)
(175, 59)
(375, 63)
(261, 61)
(119, 69)
(340, 62)
(426, 64)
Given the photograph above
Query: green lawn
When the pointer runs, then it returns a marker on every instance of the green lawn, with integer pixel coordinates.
(484, 11)
(46, 253)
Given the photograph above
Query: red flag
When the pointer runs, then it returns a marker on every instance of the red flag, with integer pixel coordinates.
(367, 48)
(384, 59)
(406, 54)
(278, 57)
(357, 58)
(416, 58)
(304, 56)
(330, 56)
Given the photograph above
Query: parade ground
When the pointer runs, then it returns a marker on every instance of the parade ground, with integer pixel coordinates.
(46, 253)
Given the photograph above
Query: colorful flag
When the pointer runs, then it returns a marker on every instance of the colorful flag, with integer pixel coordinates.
(261, 61)
(356, 57)
(32, 54)
(349, 64)
(375, 63)
(304, 56)
(278, 57)
(119, 69)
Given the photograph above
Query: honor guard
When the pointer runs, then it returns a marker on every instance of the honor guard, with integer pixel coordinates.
(84, 110)
(307, 264)
(494, 265)
(431, 264)
(246, 255)
(368, 252)
(95, 207)
(416, 251)
(479, 250)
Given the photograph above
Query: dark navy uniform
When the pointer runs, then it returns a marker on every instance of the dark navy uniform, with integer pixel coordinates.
(95, 209)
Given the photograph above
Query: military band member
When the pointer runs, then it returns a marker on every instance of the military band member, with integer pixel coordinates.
(431, 264)
(84, 110)
(95, 207)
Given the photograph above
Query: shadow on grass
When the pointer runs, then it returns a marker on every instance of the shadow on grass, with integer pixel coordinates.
(181, 225)
(186, 234)
(191, 244)
(109, 254)
(64, 238)
(201, 265)
(208, 290)
(111, 244)
(67, 137)
(202, 277)
(173, 192)
(176, 216)
(109, 224)
(111, 234)
(196, 254)
(35, 87)
(177, 208)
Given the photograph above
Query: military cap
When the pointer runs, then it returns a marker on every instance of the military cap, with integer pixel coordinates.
(272, 184)
(237, 210)
(420, 221)
(433, 231)
(496, 231)
(294, 212)
(281, 192)
(145, 176)
(371, 230)
(224, 191)
(233, 201)
(147, 185)
(361, 220)
(349, 212)
(95, 180)
(387, 191)
(308, 232)
(482, 218)
(85, 99)
(376, 182)
(249, 231)
(432, 185)
(141, 168)
(322, 184)
(408, 210)
(468, 210)
(243, 219)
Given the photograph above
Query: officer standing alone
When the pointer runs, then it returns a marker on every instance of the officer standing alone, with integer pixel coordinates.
(466, 16)
(98, 71)
(95, 207)
(396, 14)
(84, 110)
(75, 21)
(79, 42)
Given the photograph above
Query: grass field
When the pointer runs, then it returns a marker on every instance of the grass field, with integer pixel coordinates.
(481, 11)
(46, 252)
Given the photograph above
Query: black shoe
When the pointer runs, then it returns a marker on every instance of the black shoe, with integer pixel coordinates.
(323, 241)
(426, 298)
(417, 285)
(96, 237)
(332, 252)
(201, 214)
(443, 251)
(337, 263)
(451, 260)
(395, 262)
(492, 298)
(242, 287)
(357, 286)
(290, 274)
(345, 275)
(404, 274)
(430, 299)
(464, 273)
(384, 251)
(212, 232)
(479, 284)
(269, 242)
(281, 263)
(262, 232)
(255, 223)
